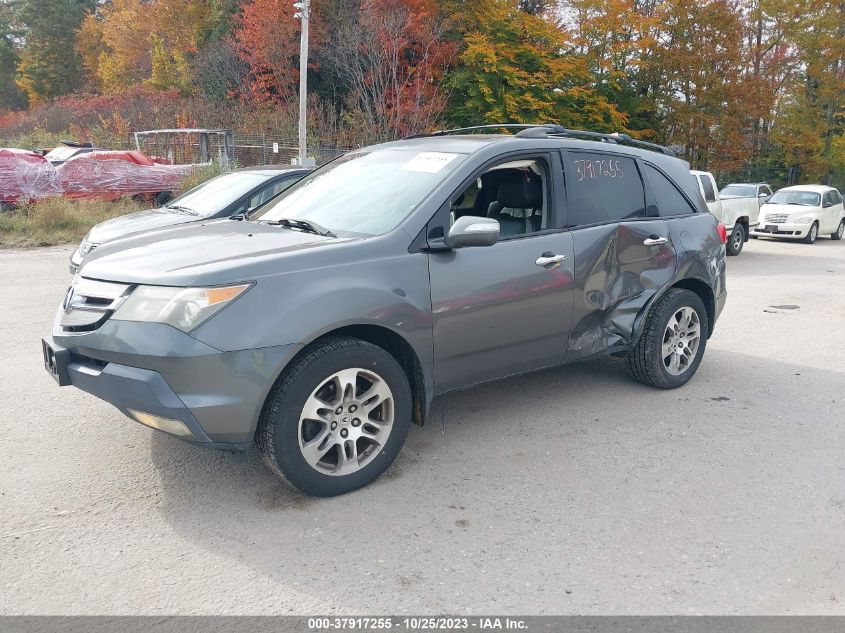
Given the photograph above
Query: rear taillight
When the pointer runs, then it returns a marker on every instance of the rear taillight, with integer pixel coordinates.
(722, 231)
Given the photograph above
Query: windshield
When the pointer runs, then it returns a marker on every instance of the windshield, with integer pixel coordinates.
(363, 193)
(739, 191)
(216, 194)
(61, 153)
(803, 198)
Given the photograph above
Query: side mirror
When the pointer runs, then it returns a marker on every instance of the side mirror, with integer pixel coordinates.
(472, 231)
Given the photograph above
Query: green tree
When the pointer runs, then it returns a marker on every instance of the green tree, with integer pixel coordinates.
(49, 65)
(11, 97)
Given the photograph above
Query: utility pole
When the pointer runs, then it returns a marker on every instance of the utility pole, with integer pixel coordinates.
(303, 12)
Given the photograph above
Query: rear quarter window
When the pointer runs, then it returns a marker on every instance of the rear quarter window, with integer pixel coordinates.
(707, 187)
(670, 200)
(603, 188)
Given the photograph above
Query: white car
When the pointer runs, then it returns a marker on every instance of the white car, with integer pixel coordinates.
(802, 212)
(737, 206)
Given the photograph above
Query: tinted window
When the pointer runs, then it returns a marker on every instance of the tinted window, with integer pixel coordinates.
(835, 197)
(669, 199)
(709, 191)
(603, 188)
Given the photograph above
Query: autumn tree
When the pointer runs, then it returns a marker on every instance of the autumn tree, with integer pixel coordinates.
(267, 38)
(516, 66)
(394, 78)
(700, 87)
(126, 42)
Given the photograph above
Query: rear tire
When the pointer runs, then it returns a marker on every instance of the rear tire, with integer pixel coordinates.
(336, 418)
(840, 232)
(812, 234)
(736, 240)
(672, 342)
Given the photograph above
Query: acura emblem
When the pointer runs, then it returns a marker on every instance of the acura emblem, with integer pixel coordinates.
(68, 299)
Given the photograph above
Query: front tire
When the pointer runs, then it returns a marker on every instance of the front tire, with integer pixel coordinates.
(673, 340)
(840, 232)
(736, 240)
(336, 418)
(812, 234)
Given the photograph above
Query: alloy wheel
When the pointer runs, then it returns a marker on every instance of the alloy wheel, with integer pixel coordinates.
(681, 340)
(346, 421)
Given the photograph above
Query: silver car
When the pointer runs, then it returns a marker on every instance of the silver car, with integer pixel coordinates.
(221, 197)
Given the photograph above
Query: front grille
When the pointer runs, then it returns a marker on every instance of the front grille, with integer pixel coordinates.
(89, 303)
(776, 218)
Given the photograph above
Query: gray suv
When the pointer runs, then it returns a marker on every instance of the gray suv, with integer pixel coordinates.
(322, 327)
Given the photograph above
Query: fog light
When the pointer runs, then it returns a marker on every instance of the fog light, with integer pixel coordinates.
(174, 427)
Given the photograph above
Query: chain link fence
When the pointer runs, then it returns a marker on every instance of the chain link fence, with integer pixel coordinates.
(267, 149)
(246, 149)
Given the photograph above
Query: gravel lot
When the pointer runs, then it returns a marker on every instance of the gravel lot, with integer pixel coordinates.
(574, 490)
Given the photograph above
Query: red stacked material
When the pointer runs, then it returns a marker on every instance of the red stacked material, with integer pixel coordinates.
(112, 174)
(25, 175)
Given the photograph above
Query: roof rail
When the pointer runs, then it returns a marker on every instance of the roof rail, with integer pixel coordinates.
(553, 127)
(546, 130)
(615, 137)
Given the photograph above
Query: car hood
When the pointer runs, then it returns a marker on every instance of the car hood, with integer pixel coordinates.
(125, 225)
(788, 209)
(212, 252)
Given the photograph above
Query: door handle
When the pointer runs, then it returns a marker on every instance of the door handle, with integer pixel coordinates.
(655, 241)
(549, 258)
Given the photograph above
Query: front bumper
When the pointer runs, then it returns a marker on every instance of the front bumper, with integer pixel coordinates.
(788, 231)
(160, 371)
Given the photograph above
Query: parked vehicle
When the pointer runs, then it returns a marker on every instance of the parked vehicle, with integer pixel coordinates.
(803, 212)
(111, 174)
(69, 149)
(323, 326)
(221, 197)
(25, 176)
(737, 206)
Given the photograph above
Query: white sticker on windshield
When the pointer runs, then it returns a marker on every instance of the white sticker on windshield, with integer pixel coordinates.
(429, 162)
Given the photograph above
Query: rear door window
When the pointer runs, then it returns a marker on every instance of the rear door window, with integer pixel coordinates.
(602, 188)
(707, 187)
(670, 200)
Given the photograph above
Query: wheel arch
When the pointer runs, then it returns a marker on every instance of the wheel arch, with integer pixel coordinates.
(394, 344)
(705, 293)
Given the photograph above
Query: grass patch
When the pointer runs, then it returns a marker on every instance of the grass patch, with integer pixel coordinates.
(59, 220)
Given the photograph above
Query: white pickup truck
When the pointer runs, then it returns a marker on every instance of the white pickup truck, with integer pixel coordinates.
(737, 206)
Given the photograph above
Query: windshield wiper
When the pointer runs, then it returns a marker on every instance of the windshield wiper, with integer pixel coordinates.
(176, 207)
(303, 225)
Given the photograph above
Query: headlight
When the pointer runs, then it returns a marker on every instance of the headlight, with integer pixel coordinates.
(183, 308)
(807, 219)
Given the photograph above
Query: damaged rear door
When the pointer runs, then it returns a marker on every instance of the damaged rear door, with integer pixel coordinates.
(624, 252)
